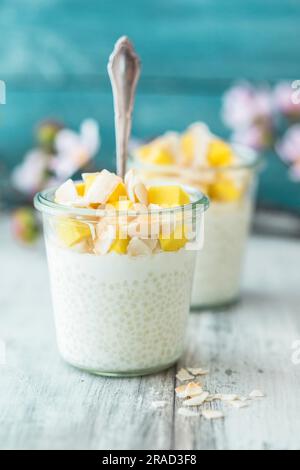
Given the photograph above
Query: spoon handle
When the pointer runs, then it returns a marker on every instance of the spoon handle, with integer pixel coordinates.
(124, 71)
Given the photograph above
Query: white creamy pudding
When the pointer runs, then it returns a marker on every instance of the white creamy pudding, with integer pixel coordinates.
(119, 314)
(219, 265)
(121, 258)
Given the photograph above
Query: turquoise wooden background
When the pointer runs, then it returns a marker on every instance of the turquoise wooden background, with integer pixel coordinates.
(53, 56)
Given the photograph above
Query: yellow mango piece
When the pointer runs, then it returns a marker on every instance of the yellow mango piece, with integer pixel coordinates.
(168, 196)
(219, 153)
(161, 156)
(119, 193)
(71, 231)
(144, 152)
(224, 190)
(188, 148)
(123, 205)
(156, 154)
(175, 241)
(80, 187)
(120, 245)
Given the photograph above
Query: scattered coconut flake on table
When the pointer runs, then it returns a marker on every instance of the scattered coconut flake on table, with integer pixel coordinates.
(192, 389)
(188, 413)
(197, 371)
(196, 401)
(227, 397)
(212, 414)
(256, 394)
(184, 376)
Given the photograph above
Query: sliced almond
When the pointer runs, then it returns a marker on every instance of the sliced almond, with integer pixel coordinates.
(214, 397)
(227, 397)
(104, 242)
(256, 394)
(137, 247)
(129, 180)
(212, 414)
(66, 193)
(151, 243)
(101, 189)
(198, 371)
(183, 375)
(141, 193)
(190, 390)
(196, 401)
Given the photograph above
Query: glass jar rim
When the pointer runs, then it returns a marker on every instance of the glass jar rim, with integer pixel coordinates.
(44, 202)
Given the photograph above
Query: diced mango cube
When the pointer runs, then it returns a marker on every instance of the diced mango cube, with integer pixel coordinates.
(120, 245)
(118, 193)
(123, 205)
(80, 187)
(219, 153)
(175, 241)
(224, 190)
(168, 196)
(188, 148)
(144, 152)
(156, 153)
(71, 231)
(161, 156)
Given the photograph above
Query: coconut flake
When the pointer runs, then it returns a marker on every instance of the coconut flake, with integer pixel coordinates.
(227, 397)
(136, 189)
(66, 193)
(183, 375)
(190, 390)
(141, 193)
(104, 242)
(196, 401)
(103, 186)
(198, 371)
(256, 394)
(138, 247)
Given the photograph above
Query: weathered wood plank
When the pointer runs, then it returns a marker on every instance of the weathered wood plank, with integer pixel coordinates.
(250, 348)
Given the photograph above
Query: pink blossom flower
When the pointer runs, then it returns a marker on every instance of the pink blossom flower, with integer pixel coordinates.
(289, 147)
(24, 225)
(244, 105)
(295, 172)
(74, 151)
(284, 100)
(256, 137)
(29, 176)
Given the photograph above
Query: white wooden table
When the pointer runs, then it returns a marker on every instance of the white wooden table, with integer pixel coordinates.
(45, 404)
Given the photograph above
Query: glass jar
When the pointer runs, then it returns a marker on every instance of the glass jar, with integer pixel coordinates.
(232, 192)
(116, 314)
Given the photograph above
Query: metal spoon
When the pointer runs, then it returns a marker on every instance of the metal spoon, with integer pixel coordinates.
(124, 71)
